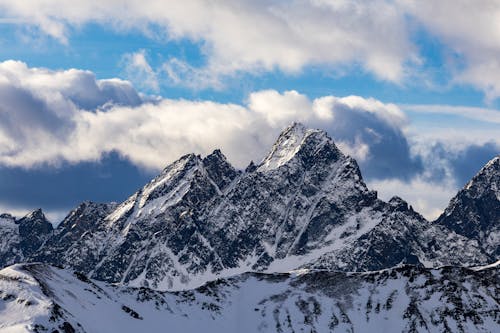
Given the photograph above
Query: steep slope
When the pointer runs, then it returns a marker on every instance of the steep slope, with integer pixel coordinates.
(21, 238)
(475, 211)
(402, 236)
(40, 298)
(146, 233)
(70, 233)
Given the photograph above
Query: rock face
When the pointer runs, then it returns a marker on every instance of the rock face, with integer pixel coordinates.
(475, 211)
(41, 298)
(20, 239)
(304, 206)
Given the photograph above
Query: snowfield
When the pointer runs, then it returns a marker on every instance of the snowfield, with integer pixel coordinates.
(41, 298)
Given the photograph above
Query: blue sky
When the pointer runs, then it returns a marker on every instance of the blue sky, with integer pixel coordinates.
(195, 76)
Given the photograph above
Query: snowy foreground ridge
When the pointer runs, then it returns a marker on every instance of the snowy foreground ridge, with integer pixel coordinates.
(202, 224)
(42, 298)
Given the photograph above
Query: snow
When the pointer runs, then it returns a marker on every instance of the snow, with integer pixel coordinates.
(493, 265)
(288, 144)
(302, 301)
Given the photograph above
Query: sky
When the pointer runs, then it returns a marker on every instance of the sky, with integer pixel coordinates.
(96, 97)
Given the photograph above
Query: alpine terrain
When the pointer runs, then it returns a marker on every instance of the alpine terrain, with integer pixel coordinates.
(272, 248)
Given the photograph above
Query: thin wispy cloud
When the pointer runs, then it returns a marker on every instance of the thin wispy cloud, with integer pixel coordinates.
(476, 113)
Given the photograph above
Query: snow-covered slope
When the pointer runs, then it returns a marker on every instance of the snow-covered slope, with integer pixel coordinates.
(41, 298)
(475, 211)
(304, 206)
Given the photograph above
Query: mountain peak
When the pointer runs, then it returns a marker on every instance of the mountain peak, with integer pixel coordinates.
(6, 216)
(219, 169)
(475, 211)
(492, 166)
(487, 179)
(37, 214)
(294, 139)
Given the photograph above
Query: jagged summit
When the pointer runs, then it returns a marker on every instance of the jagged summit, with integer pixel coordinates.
(36, 214)
(297, 141)
(219, 169)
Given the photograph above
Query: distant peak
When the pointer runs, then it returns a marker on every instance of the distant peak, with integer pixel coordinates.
(395, 200)
(184, 162)
(36, 214)
(251, 167)
(219, 169)
(6, 216)
(216, 155)
(398, 203)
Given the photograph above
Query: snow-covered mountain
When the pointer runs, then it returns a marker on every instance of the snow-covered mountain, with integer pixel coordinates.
(42, 298)
(206, 247)
(304, 206)
(21, 238)
(475, 211)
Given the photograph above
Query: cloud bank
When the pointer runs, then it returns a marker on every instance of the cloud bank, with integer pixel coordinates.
(76, 118)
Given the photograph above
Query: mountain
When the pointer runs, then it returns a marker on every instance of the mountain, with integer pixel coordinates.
(21, 238)
(304, 206)
(206, 247)
(42, 298)
(475, 211)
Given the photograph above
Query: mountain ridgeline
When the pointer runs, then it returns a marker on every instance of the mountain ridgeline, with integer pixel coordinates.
(207, 247)
(304, 206)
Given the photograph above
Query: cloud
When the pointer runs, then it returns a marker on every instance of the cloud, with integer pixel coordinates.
(447, 167)
(470, 35)
(246, 36)
(373, 132)
(457, 164)
(181, 73)
(139, 71)
(78, 118)
(476, 113)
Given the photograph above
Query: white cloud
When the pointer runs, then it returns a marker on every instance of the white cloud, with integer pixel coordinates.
(280, 109)
(139, 71)
(476, 113)
(257, 36)
(179, 72)
(75, 118)
(470, 32)
(246, 35)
